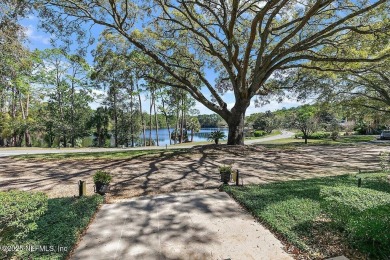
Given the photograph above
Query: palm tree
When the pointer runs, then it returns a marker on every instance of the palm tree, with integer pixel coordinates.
(216, 135)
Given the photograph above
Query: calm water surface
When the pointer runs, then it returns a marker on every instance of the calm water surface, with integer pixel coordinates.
(201, 136)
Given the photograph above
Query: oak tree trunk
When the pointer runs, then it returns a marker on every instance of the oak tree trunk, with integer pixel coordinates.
(236, 122)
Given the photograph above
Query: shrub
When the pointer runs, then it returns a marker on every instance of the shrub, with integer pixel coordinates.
(298, 135)
(102, 176)
(259, 133)
(216, 136)
(227, 169)
(335, 135)
(19, 211)
(316, 135)
(319, 135)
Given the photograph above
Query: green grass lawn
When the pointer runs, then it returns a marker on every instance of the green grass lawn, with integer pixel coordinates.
(98, 155)
(59, 228)
(319, 215)
(342, 140)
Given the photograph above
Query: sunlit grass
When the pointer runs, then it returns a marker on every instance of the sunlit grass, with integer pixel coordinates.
(98, 155)
(304, 211)
(294, 142)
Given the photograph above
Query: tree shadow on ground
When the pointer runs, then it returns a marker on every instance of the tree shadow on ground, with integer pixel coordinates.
(191, 169)
(162, 227)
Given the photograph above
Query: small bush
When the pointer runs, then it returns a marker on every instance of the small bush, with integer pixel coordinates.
(316, 135)
(227, 169)
(216, 136)
(319, 135)
(334, 135)
(102, 176)
(259, 133)
(298, 135)
(19, 211)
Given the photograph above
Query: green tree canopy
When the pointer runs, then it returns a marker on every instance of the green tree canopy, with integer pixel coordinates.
(244, 42)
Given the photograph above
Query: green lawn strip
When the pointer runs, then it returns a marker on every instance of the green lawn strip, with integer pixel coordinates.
(356, 138)
(60, 227)
(98, 155)
(303, 211)
(343, 140)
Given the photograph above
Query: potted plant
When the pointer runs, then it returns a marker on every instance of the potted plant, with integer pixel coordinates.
(102, 181)
(225, 172)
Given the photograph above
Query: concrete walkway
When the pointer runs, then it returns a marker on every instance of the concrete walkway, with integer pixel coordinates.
(192, 225)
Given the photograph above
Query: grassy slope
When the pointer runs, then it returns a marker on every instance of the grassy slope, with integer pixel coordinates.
(295, 210)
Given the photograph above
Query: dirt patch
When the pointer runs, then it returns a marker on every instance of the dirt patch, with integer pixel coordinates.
(196, 169)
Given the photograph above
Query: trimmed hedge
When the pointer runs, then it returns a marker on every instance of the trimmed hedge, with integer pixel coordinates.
(316, 135)
(259, 133)
(19, 211)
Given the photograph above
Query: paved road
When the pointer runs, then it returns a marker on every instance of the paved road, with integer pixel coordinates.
(191, 225)
(23, 151)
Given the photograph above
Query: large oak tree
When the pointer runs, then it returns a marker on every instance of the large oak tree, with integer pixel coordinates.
(243, 42)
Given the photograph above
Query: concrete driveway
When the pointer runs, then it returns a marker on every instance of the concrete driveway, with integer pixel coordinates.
(193, 225)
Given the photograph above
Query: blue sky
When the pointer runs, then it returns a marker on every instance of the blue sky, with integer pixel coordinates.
(38, 39)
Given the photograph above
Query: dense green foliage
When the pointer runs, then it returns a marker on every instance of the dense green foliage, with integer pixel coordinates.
(102, 176)
(295, 209)
(259, 133)
(216, 136)
(60, 226)
(45, 95)
(19, 212)
(315, 135)
(244, 43)
(225, 169)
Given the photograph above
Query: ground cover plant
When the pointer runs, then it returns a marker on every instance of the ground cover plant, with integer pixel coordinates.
(19, 211)
(325, 217)
(59, 228)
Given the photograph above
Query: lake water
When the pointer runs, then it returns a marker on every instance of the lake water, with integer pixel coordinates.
(201, 136)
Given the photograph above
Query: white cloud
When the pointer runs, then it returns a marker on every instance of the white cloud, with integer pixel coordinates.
(33, 35)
